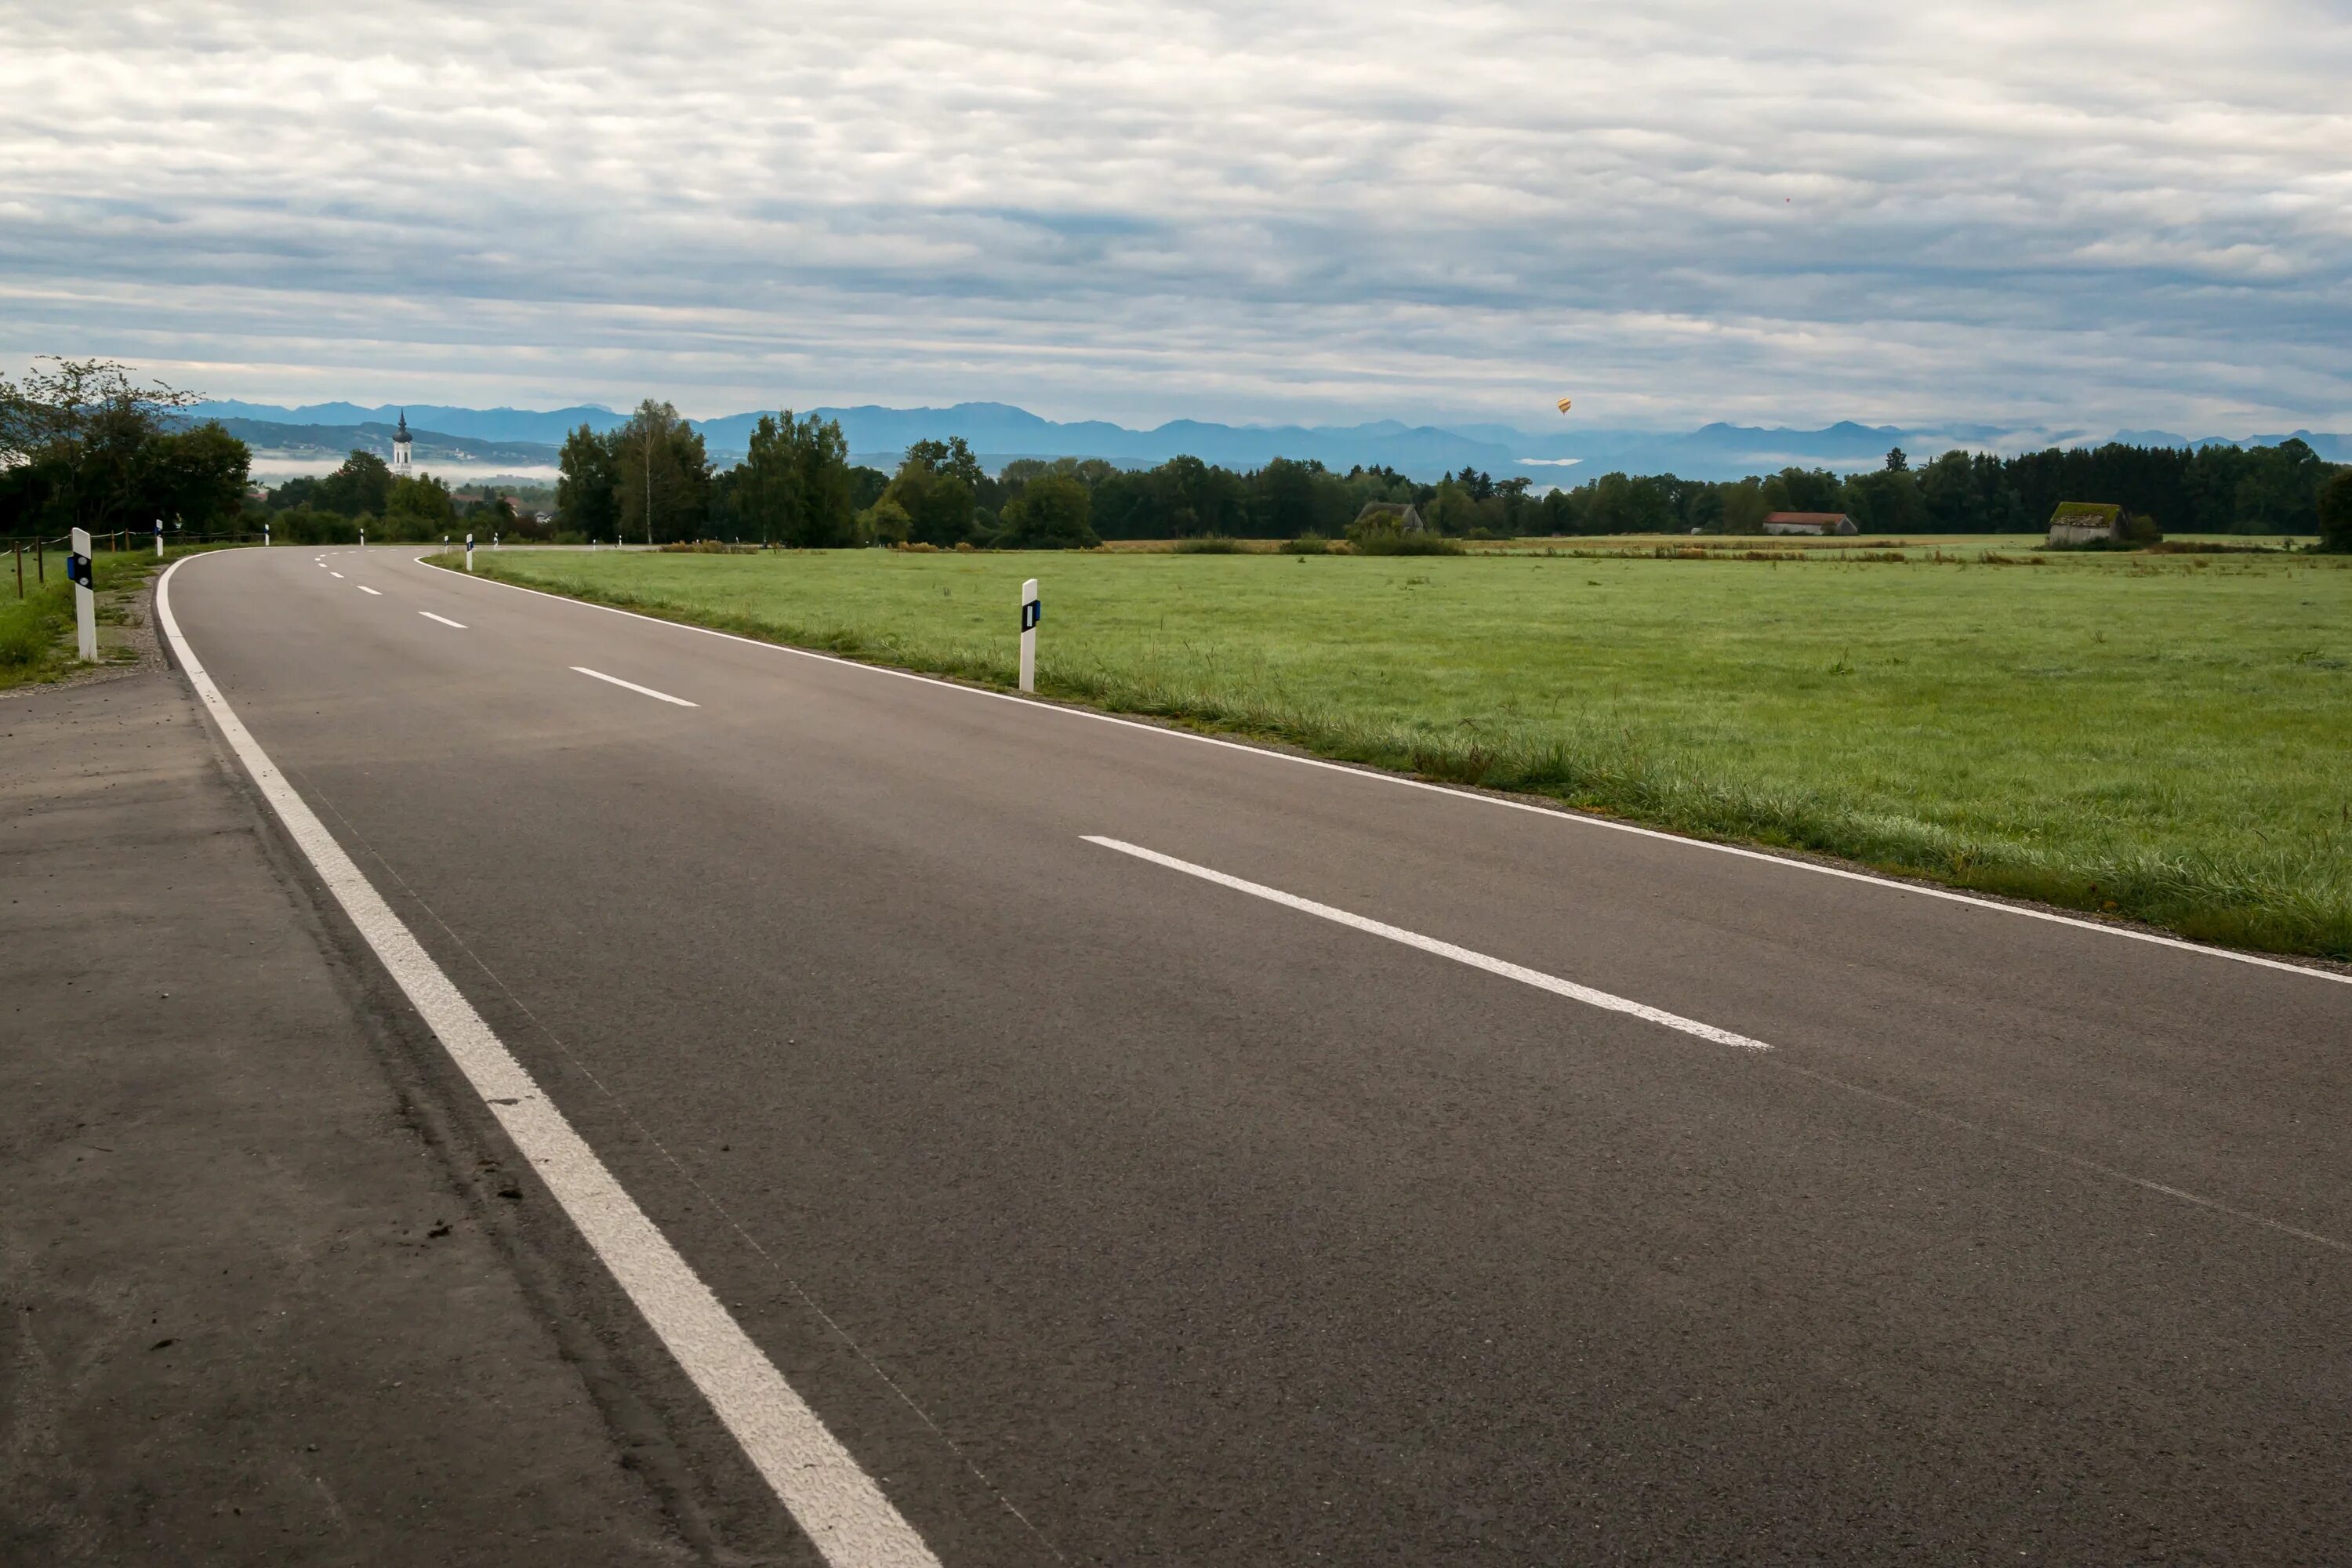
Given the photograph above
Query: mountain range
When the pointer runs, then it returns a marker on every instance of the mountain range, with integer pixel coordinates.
(999, 433)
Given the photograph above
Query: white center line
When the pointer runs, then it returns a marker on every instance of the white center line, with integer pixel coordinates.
(1707, 1032)
(443, 619)
(365, 589)
(334, 574)
(633, 686)
(1525, 976)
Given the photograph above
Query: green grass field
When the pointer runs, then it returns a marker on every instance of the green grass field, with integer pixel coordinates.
(2164, 737)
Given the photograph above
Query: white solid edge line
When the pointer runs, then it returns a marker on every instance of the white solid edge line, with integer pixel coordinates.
(851, 1523)
(443, 619)
(365, 589)
(1475, 959)
(1552, 814)
(633, 686)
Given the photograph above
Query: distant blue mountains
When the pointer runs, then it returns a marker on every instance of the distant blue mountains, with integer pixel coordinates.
(999, 433)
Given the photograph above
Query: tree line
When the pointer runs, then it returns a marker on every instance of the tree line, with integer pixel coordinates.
(652, 480)
(82, 445)
(2207, 490)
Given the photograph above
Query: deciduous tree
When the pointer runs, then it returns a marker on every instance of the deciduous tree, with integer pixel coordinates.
(2333, 511)
(81, 434)
(587, 493)
(1050, 513)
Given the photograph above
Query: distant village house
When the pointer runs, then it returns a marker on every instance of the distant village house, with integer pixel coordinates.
(1808, 522)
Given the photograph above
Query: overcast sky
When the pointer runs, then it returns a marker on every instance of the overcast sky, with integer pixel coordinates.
(2085, 215)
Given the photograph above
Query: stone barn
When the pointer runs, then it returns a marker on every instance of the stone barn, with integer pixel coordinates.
(2085, 523)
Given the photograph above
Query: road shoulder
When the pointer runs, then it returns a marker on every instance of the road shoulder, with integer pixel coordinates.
(256, 1306)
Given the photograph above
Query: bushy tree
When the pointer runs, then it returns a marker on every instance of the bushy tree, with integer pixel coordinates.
(794, 486)
(306, 525)
(1288, 498)
(866, 487)
(82, 444)
(1742, 505)
(1885, 502)
(587, 493)
(2333, 510)
(419, 508)
(662, 474)
(937, 489)
(883, 523)
(361, 488)
(1182, 498)
(196, 476)
(1050, 513)
(1802, 490)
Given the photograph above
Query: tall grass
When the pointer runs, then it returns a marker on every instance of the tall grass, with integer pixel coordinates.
(29, 628)
(1387, 542)
(37, 632)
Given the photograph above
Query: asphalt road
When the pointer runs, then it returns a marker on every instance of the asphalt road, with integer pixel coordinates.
(1109, 1213)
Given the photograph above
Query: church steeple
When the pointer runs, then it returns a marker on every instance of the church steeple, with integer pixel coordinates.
(400, 459)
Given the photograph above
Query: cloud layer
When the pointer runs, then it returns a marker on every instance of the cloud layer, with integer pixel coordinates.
(2092, 216)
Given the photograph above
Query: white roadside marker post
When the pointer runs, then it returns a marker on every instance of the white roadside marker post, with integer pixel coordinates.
(85, 597)
(363, 539)
(469, 553)
(158, 539)
(1031, 612)
(265, 536)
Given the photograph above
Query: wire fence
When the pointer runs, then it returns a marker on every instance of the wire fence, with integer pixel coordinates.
(33, 550)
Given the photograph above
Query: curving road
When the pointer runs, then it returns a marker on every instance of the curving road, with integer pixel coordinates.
(1129, 1148)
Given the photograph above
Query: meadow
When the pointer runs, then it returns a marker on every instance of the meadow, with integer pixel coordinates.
(2167, 738)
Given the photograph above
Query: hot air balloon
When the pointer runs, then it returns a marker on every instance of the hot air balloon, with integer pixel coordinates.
(1563, 406)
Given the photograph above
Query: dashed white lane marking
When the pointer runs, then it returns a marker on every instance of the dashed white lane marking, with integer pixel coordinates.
(1525, 976)
(828, 1495)
(633, 686)
(443, 619)
(365, 589)
(1706, 1032)
(333, 574)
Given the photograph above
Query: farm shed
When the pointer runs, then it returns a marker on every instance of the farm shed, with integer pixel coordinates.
(2085, 523)
(1808, 522)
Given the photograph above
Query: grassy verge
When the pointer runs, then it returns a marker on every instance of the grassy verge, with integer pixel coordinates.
(2164, 738)
(37, 632)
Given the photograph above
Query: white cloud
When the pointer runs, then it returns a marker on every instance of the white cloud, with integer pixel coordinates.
(2094, 214)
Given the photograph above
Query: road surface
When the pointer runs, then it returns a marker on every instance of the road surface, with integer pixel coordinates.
(1127, 1148)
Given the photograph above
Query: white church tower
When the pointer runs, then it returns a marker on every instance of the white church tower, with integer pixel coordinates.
(401, 467)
